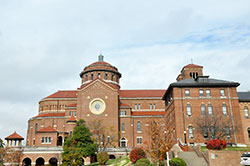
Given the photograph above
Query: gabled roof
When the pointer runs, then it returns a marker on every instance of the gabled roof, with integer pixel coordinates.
(141, 93)
(244, 96)
(48, 129)
(72, 119)
(14, 136)
(98, 79)
(147, 113)
(50, 115)
(63, 94)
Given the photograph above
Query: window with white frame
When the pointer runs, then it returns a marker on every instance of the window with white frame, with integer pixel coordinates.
(135, 107)
(139, 140)
(201, 92)
(222, 93)
(74, 113)
(210, 109)
(208, 93)
(203, 110)
(46, 140)
(187, 93)
(190, 132)
(154, 106)
(246, 112)
(123, 113)
(150, 106)
(224, 109)
(189, 111)
(139, 107)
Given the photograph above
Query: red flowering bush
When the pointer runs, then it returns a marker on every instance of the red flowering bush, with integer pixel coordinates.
(216, 144)
(136, 154)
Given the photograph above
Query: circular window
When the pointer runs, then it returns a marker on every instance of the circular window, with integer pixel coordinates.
(97, 106)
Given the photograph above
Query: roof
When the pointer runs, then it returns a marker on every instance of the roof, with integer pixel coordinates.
(147, 113)
(14, 136)
(202, 81)
(72, 119)
(141, 93)
(124, 105)
(192, 66)
(50, 115)
(63, 94)
(100, 63)
(244, 96)
(48, 129)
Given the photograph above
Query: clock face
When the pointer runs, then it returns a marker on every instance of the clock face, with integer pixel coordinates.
(97, 106)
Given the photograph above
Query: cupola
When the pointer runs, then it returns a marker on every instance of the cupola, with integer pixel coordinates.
(100, 70)
(14, 140)
(190, 71)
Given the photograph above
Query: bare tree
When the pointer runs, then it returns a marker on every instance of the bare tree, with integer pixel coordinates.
(161, 139)
(13, 155)
(103, 136)
(215, 126)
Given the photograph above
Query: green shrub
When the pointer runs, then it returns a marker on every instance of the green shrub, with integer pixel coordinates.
(136, 154)
(177, 162)
(102, 157)
(142, 162)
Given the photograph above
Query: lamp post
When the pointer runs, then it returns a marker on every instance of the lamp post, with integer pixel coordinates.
(185, 137)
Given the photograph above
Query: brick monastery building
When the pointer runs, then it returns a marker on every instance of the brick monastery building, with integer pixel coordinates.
(128, 111)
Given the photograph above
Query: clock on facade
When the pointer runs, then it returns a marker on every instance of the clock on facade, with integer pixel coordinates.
(97, 106)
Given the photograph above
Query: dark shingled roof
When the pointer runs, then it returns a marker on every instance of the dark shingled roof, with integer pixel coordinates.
(244, 96)
(201, 81)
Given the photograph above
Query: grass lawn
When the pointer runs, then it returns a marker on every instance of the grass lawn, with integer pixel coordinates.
(203, 148)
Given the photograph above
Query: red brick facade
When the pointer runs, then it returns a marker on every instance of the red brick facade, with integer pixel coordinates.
(128, 111)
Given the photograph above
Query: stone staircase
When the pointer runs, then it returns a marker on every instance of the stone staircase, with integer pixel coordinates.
(192, 159)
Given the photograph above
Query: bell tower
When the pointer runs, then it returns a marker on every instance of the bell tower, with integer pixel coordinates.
(190, 71)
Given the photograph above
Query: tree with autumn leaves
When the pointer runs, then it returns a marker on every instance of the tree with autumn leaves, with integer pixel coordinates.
(78, 146)
(161, 139)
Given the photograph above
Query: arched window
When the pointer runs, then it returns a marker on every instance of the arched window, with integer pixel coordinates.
(203, 110)
(59, 141)
(246, 112)
(26, 162)
(228, 132)
(205, 132)
(92, 76)
(191, 75)
(123, 143)
(99, 75)
(189, 112)
(138, 126)
(210, 109)
(224, 109)
(248, 130)
(106, 76)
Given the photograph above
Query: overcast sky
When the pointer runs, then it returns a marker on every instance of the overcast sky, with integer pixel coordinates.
(45, 44)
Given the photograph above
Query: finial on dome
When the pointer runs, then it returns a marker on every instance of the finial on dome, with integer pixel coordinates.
(100, 57)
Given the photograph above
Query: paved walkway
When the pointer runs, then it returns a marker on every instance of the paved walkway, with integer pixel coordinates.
(192, 159)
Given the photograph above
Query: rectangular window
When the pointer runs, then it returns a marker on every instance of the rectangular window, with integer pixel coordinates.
(189, 112)
(139, 140)
(222, 93)
(70, 113)
(228, 133)
(201, 92)
(139, 107)
(123, 113)
(106, 76)
(246, 112)
(212, 131)
(203, 110)
(135, 107)
(92, 76)
(154, 106)
(210, 109)
(74, 113)
(150, 106)
(49, 140)
(224, 109)
(190, 132)
(208, 93)
(138, 126)
(187, 93)
(42, 140)
(123, 127)
(46, 139)
(205, 132)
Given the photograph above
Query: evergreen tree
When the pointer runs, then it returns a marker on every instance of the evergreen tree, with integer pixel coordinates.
(78, 146)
